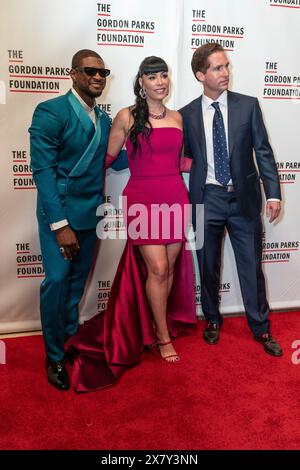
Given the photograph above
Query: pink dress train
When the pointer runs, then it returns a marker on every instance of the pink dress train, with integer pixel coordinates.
(114, 339)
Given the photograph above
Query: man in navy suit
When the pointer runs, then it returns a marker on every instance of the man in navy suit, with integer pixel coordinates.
(68, 141)
(221, 131)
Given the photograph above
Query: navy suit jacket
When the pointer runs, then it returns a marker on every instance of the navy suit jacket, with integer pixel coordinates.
(246, 132)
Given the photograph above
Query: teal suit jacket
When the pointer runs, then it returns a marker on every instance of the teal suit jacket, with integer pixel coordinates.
(59, 138)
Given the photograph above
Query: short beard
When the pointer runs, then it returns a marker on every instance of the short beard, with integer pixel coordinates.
(95, 94)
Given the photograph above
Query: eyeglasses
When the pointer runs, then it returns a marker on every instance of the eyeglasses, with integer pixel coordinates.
(92, 71)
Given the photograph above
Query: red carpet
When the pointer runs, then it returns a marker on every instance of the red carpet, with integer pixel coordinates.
(229, 396)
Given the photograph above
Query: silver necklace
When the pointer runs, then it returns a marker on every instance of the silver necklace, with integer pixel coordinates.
(159, 116)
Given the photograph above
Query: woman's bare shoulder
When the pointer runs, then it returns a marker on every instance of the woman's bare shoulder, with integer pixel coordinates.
(124, 114)
(175, 116)
(123, 117)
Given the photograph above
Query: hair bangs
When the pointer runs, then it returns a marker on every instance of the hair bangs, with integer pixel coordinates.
(153, 65)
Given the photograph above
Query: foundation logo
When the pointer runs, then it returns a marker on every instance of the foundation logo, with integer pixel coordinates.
(203, 32)
(28, 264)
(280, 86)
(198, 294)
(21, 171)
(288, 172)
(103, 294)
(113, 31)
(106, 107)
(112, 225)
(32, 78)
(281, 251)
(224, 288)
(285, 3)
(198, 300)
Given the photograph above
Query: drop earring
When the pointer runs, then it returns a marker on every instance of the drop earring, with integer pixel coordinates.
(143, 93)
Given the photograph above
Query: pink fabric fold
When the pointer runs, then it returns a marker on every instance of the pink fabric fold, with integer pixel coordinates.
(114, 339)
(185, 164)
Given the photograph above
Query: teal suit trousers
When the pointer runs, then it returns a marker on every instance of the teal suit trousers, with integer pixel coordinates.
(62, 288)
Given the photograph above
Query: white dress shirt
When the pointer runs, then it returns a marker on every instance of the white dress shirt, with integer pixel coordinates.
(208, 112)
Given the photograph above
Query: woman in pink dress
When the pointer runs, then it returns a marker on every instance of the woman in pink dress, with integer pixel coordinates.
(152, 297)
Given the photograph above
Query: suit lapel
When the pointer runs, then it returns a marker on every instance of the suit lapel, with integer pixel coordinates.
(198, 128)
(81, 114)
(89, 154)
(233, 119)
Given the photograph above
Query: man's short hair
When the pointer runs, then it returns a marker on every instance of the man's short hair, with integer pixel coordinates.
(82, 54)
(200, 57)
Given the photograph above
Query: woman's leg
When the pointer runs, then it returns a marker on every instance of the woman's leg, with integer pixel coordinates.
(158, 286)
(173, 251)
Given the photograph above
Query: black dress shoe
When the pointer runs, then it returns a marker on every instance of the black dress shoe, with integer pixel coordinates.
(57, 374)
(211, 333)
(270, 345)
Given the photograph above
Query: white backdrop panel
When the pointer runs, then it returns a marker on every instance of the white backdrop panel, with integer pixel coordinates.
(37, 41)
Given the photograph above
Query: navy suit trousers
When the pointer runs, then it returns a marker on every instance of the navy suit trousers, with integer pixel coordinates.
(221, 211)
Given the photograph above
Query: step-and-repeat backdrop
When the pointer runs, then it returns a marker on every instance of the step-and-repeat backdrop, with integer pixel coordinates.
(37, 41)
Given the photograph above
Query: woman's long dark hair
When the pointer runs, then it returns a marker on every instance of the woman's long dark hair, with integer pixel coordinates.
(140, 112)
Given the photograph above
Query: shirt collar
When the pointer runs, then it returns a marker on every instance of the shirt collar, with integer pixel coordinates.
(222, 100)
(83, 103)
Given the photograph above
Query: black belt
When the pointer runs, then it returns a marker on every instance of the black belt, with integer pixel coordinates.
(228, 189)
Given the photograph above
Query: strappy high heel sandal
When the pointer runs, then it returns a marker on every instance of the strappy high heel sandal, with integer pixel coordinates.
(170, 358)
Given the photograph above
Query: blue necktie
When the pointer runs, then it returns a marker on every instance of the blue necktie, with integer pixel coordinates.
(222, 166)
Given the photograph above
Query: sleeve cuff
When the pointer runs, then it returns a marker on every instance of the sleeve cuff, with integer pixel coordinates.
(59, 224)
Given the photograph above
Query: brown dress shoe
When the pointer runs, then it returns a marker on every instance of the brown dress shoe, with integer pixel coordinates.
(270, 345)
(211, 333)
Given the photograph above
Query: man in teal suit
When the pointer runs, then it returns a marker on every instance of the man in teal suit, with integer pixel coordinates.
(68, 141)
